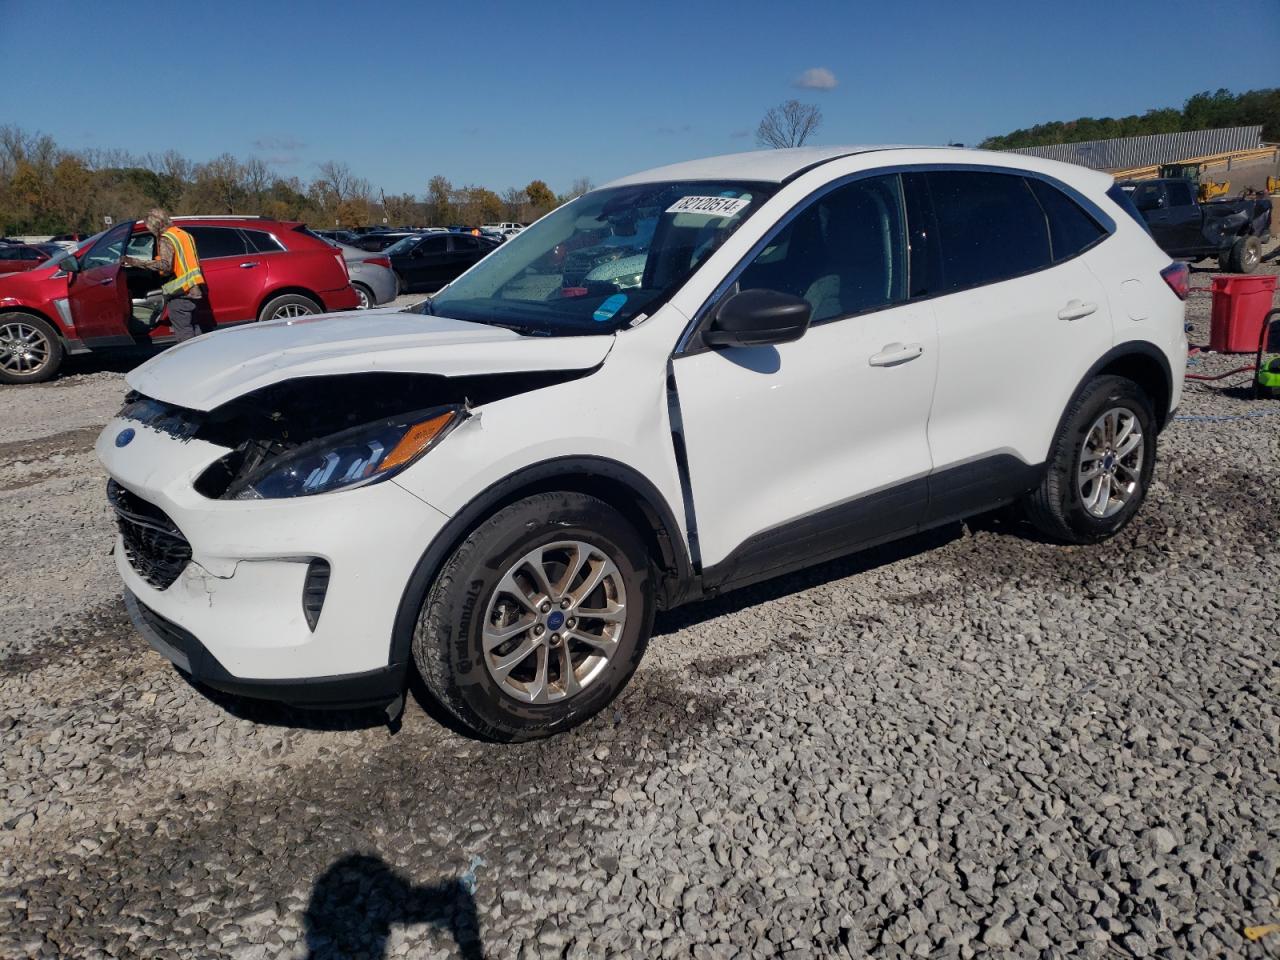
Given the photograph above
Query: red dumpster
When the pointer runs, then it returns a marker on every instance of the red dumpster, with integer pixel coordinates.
(1239, 304)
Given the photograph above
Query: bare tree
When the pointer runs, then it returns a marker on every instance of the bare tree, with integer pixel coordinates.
(788, 125)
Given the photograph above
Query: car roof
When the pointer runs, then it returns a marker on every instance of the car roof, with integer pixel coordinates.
(780, 166)
(769, 166)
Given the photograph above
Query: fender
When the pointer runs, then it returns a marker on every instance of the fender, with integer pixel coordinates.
(1142, 348)
(680, 583)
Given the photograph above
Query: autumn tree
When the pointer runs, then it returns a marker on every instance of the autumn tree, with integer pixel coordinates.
(540, 196)
(789, 124)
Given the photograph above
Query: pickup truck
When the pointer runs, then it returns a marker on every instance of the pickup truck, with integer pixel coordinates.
(1231, 230)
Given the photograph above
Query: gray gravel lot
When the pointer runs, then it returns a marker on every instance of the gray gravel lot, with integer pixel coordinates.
(969, 743)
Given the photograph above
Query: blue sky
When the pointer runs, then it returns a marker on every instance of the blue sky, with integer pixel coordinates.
(500, 93)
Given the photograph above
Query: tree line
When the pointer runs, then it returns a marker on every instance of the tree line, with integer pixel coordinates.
(45, 189)
(1203, 111)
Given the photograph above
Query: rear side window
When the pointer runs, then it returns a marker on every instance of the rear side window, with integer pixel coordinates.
(212, 242)
(262, 242)
(1071, 230)
(990, 228)
(845, 253)
(465, 243)
(1120, 197)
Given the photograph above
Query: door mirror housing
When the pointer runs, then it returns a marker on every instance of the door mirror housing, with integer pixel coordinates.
(758, 318)
(70, 265)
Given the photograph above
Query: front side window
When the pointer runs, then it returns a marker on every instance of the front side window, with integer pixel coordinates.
(845, 253)
(212, 242)
(1071, 230)
(142, 246)
(1179, 193)
(431, 246)
(109, 247)
(990, 228)
(597, 263)
(1147, 196)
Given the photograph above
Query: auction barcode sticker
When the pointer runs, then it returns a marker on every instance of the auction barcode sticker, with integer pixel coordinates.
(710, 206)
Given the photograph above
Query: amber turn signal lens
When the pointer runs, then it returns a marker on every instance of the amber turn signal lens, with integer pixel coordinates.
(416, 439)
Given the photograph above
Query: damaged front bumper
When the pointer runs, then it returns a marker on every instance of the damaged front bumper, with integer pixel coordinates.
(244, 613)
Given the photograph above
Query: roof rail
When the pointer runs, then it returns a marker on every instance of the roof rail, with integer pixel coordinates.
(220, 216)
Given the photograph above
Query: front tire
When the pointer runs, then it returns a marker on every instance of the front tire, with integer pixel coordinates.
(30, 349)
(538, 619)
(1100, 464)
(288, 306)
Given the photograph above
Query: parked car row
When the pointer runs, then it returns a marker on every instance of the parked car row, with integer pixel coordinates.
(87, 301)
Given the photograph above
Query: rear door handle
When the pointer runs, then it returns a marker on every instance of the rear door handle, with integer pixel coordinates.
(107, 282)
(1075, 309)
(892, 354)
(248, 263)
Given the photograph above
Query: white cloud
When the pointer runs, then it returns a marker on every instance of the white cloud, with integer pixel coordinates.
(817, 78)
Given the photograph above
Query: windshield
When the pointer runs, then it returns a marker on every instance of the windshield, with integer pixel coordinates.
(599, 262)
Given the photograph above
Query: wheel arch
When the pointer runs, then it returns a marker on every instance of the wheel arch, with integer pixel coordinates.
(1140, 361)
(622, 487)
(33, 311)
(284, 291)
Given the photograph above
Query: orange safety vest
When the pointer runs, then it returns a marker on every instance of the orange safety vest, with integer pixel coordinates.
(186, 264)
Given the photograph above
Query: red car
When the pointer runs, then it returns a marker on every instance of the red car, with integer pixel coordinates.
(255, 269)
(20, 257)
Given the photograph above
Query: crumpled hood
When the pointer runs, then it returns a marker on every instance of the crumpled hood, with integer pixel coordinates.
(209, 370)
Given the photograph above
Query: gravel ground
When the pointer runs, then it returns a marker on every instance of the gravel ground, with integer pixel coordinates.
(969, 743)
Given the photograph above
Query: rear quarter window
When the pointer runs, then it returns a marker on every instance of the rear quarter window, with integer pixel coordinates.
(262, 242)
(1124, 200)
(1071, 230)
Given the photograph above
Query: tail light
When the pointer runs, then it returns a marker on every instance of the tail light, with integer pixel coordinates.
(1178, 276)
(379, 261)
(343, 260)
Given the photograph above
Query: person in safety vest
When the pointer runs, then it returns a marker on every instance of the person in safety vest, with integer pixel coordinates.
(184, 290)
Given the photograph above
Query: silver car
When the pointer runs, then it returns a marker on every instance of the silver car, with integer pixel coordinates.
(371, 276)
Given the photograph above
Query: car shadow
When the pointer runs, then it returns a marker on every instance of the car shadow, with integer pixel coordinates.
(274, 714)
(359, 899)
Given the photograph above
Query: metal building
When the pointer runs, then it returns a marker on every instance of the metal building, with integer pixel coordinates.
(1123, 153)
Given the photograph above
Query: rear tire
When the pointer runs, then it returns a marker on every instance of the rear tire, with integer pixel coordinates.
(288, 306)
(30, 349)
(367, 301)
(514, 667)
(1097, 475)
(1246, 254)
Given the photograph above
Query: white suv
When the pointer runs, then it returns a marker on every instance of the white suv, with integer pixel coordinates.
(687, 380)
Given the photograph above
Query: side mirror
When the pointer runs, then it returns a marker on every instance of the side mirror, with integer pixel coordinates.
(70, 265)
(757, 318)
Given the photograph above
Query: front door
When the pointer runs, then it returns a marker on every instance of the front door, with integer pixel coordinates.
(97, 293)
(806, 450)
(425, 265)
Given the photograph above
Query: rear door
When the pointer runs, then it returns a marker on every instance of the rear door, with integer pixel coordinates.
(235, 276)
(97, 293)
(1019, 324)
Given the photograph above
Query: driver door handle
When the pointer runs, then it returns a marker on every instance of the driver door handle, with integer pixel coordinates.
(248, 263)
(1075, 309)
(107, 282)
(892, 354)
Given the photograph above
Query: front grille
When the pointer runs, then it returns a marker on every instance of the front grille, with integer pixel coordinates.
(153, 544)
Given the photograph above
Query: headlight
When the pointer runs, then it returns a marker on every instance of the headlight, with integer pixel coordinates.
(353, 458)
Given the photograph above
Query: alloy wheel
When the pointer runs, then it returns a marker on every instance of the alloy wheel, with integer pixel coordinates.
(24, 348)
(290, 311)
(554, 621)
(364, 303)
(1110, 471)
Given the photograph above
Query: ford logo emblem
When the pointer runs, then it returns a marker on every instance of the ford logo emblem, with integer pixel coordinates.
(124, 437)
